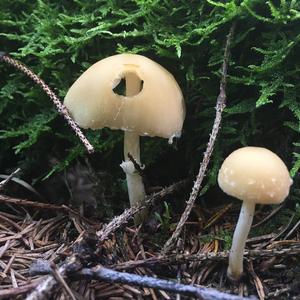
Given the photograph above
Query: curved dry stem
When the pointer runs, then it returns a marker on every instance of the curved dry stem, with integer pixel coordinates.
(235, 268)
(221, 103)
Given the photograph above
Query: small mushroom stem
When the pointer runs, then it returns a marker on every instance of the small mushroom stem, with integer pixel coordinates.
(235, 268)
(135, 185)
(132, 146)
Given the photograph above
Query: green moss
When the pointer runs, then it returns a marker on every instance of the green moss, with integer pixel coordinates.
(224, 236)
(60, 39)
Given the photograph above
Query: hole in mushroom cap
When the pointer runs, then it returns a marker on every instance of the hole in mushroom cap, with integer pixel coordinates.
(120, 88)
(120, 85)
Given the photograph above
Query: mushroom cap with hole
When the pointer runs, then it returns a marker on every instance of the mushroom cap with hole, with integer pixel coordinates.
(157, 110)
(255, 174)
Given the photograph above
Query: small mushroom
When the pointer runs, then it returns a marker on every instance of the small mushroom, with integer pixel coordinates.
(253, 175)
(152, 105)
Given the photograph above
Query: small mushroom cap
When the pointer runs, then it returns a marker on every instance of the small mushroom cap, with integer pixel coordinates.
(157, 110)
(255, 174)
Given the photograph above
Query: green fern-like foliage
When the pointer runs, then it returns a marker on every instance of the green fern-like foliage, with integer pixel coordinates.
(61, 39)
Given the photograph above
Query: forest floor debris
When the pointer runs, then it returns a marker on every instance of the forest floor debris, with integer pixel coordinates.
(29, 236)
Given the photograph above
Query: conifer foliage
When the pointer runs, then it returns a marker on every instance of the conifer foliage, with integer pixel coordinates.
(61, 39)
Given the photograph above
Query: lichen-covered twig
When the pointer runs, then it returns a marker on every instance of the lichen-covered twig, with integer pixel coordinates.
(45, 289)
(122, 219)
(59, 106)
(109, 275)
(116, 222)
(221, 103)
(104, 274)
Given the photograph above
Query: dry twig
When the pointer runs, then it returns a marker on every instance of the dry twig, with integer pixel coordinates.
(8, 178)
(122, 219)
(39, 205)
(175, 259)
(23, 202)
(221, 103)
(269, 216)
(59, 106)
(258, 284)
(60, 279)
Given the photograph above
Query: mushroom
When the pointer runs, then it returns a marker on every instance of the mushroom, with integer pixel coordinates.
(253, 175)
(152, 106)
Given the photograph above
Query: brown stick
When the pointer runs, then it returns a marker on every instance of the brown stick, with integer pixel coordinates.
(60, 279)
(175, 259)
(61, 208)
(221, 103)
(59, 106)
(23, 202)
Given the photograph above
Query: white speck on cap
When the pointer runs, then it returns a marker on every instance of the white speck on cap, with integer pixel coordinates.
(250, 168)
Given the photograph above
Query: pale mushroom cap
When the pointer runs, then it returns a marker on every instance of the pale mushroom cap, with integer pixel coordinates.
(255, 174)
(157, 110)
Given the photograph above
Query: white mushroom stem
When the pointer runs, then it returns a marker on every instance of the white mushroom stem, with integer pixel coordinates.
(235, 268)
(136, 190)
(135, 185)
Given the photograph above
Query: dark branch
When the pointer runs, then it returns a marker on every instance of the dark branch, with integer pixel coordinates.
(104, 274)
(137, 166)
(108, 275)
(59, 106)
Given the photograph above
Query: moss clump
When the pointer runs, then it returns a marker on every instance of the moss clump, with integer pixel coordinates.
(59, 40)
(224, 236)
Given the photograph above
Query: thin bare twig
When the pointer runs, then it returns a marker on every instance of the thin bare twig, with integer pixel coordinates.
(59, 278)
(8, 178)
(175, 259)
(221, 103)
(23, 184)
(39, 205)
(139, 168)
(122, 219)
(59, 106)
(292, 230)
(269, 216)
(23, 202)
(258, 284)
